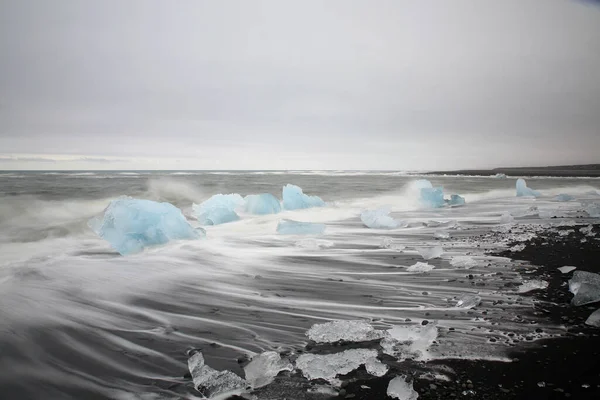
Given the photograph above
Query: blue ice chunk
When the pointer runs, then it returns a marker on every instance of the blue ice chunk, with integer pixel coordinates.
(432, 197)
(129, 225)
(262, 204)
(219, 209)
(289, 227)
(456, 200)
(523, 190)
(564, 197)
(294, 198)
(378, 219)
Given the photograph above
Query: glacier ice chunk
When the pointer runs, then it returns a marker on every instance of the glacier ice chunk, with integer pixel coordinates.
(563, 197)
(524, 191)
(432, 197)
(594, 319)
(468, 301)
(409, 341)
(499, 176)
(378, 219)
(376, 367)
(129, 225)
(264, 368)
(593, 210)
(420, 267)
(211, 382)
(399, 388)
(429, 253)
(566, 269)
(262, 204)
(342, 330)
(465, 262)
(506, 218)
(388, 243)
(530, 285)
(218, 209)
(328, 366)
(290, 227)
(441, 234)
(580, 277)
(295, 199)
(585, 286)
(456, 200)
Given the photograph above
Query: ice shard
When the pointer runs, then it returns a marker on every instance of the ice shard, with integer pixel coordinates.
(468, 301)
(294, 199)
(264, 368)
(218, 209)
(400, 389)
(432, 197)
(346, 331)
(378, 219)
(129, 225)
(524, 191)
(211, 382)
(328, 366)
(420, 267)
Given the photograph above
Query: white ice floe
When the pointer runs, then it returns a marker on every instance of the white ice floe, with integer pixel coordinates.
(376, 367)
(466, 262)
(347, 331)
(429, 253)
(420, 267)
(468, 301)
(399, 388)
(566, 269)
(328, 366)
(409, 341)
(264, 368)
(585, 286)
(533, 284)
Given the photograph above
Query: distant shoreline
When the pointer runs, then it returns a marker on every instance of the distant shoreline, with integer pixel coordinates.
(589, 170)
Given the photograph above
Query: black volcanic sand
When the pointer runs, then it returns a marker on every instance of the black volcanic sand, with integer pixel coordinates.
(567, 367)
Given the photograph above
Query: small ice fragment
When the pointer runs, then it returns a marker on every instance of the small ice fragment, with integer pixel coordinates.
(566, 269)
(420, 267)
(587, 230)
(388, 243)
(441, 235)
(468, 301)
(376, 367)
(456, 200)
(378, 219)
(429, 253)
(533, 284)
(523, 190)
(499, 176)
(130, 225)
(409, 341)
(506, 218)
(586, 294)
(541, 384)
(432, 197)
(328, 366)
(593, 210)
(594, 319)
(264, 368)
(563, 197)
(262, 204)
(295, 199)
(399, 388)
(517, 248)
(347, 331)
(566, 232)
(211, 382)
(289, 227)
(466, 262)
(314, 244)
(218, 209)
(581, 277)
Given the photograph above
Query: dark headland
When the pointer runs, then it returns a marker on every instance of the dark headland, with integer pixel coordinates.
(591, 170)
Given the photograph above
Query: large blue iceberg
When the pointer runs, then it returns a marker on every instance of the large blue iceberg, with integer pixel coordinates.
(289, 227)
(378, 219)
(219, 209)
(295, 199)
(456, 200)
(262, 204)
(524, 191)
(432, 197)
(129, 225)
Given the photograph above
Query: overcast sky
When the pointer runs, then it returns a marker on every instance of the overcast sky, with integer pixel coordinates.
(306, 84)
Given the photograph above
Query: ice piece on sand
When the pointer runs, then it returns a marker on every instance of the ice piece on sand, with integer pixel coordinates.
(432, 197)
(409, 341)
(342, 330)
(399, 388)
(420, 267)
(211, 382)
(587, 230)
(523, 190)
(378, 219)
(456, 200)
(533, 284)
(328, 366)
(376, 367)
(594, 319)
(294, 198)
(129, 225)
(218, 209)
(585, 286)
(593, 210)
(506, 218)
(289, 227)
(566, 269)
(388, 243)
(264, 368)
(441, 235)
(499, 176)
(429, 253)
(466, 262)
(468, 301)
(563, 197)
(314, 244)
(262, 204)
(580, 277)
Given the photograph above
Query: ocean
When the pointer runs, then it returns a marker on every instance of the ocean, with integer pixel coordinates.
(80, 321)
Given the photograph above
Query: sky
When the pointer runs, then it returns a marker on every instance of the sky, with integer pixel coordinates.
(311, 84)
